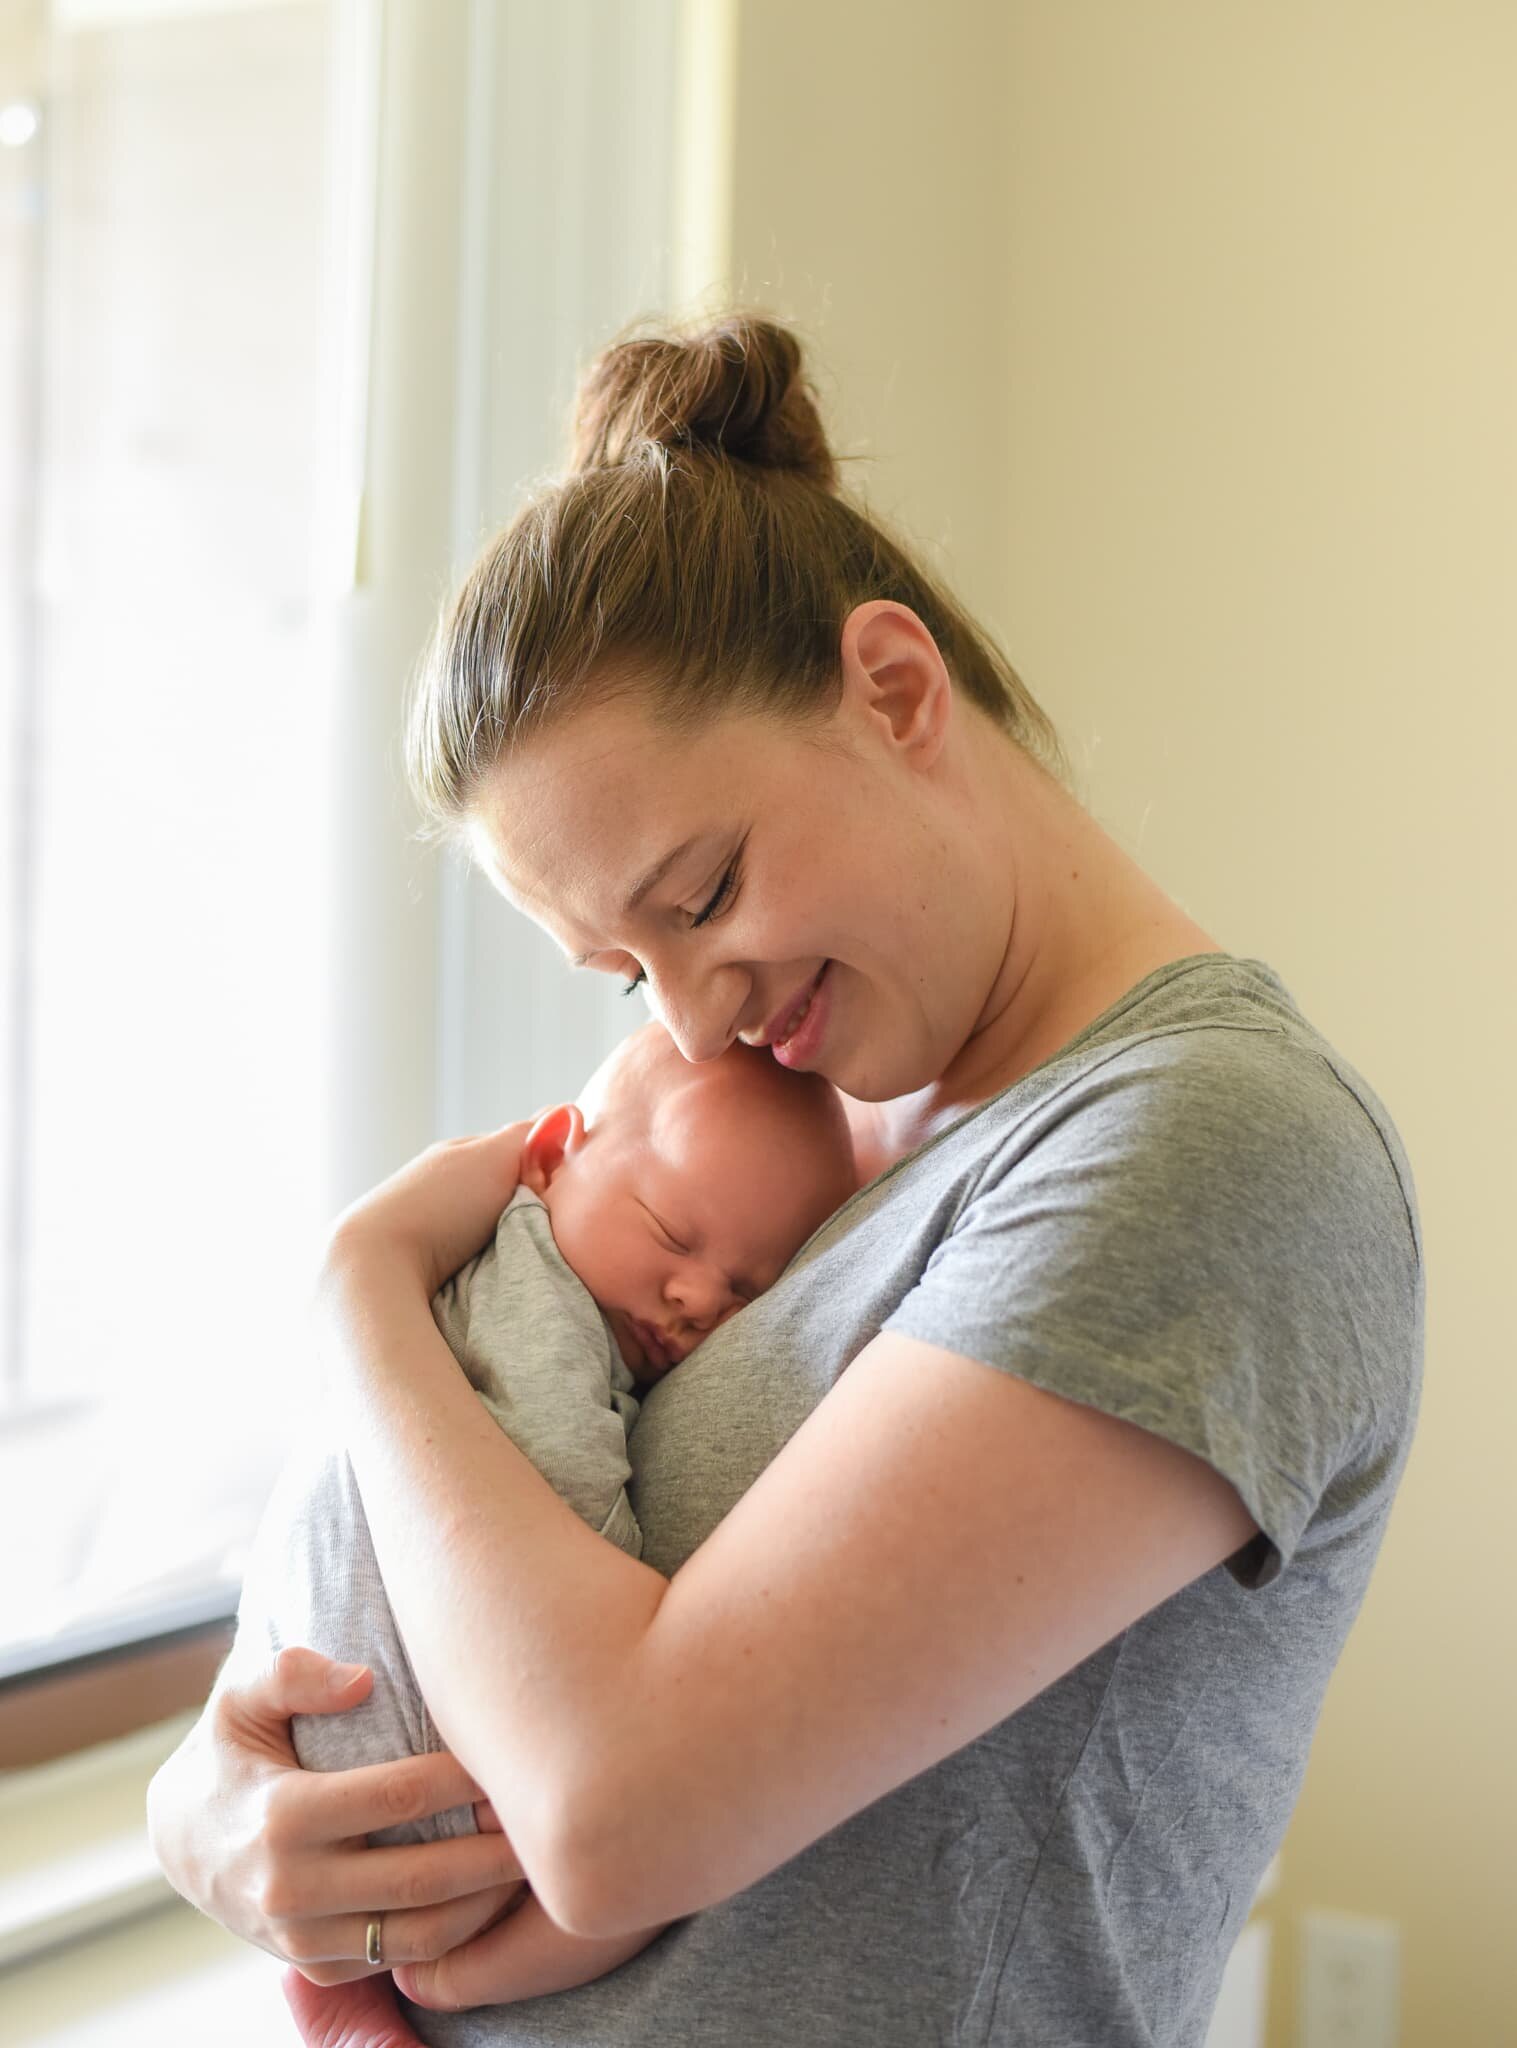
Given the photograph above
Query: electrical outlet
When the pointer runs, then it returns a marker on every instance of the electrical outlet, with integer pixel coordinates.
(1350, 1981)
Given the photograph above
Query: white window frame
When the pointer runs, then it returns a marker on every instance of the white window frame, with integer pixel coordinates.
(504, 202)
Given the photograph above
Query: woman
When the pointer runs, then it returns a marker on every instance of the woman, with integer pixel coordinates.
(996, 1560)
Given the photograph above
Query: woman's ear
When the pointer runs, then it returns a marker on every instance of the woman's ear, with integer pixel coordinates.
(556, 1133)
(895, 678)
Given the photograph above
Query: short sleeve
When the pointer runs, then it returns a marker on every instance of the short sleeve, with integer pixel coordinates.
(1206, 1236)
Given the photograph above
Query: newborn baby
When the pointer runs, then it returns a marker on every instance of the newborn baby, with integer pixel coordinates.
(646, 1215)
(689, 1190)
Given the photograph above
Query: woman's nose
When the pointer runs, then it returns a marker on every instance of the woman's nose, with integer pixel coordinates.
(702, 1021)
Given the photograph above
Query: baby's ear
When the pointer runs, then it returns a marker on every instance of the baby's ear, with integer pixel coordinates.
(557, 1132)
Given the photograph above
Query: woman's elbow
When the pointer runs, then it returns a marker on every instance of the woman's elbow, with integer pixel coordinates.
(571, 1896)
(584, 1904)
(592, 1874)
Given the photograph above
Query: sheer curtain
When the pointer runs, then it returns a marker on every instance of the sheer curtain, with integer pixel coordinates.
(295, 296)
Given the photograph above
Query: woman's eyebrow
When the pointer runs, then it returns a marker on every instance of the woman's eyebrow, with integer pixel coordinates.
(645, 884)
(657, 873)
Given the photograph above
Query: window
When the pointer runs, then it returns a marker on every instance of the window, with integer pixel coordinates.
(165, 285)
(262, 263)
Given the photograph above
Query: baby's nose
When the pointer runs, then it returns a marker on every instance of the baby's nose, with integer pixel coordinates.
(702, 1293)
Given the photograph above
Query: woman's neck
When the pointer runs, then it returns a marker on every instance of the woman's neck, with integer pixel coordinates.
(1087, 925)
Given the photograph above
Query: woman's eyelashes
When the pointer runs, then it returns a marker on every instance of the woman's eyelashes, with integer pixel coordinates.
(726, 889)
(721, 902)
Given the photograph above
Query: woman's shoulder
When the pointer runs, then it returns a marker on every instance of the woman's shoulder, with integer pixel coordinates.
(1199, 1102)
(1220, 1060)
(1216, 1034)
(1196, 1221)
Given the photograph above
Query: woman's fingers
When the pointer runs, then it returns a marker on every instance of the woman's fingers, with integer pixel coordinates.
(333, 1806)
(526, 1955)
(359, 2015)
(437, 1210)
(255, 1713)
(279, 1854)
(390, 1880)
(331, 1950)
(489, 1970)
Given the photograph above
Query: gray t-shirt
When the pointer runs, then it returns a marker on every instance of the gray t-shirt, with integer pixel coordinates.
(1197, 1217)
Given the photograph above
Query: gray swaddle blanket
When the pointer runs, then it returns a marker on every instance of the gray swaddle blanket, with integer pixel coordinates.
(543, 1359)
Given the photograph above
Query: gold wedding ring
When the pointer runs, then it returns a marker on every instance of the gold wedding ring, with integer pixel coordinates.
(371, 1950)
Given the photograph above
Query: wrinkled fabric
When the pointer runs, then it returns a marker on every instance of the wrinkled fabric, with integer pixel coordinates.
(543, 1359)
(1198, 1217)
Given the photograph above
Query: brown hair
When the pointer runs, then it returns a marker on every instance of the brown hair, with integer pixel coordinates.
(698, 547)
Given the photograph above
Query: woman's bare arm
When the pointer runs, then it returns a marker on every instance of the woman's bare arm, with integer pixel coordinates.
(279, 1855)
(1025, 1532)
(811, 1656)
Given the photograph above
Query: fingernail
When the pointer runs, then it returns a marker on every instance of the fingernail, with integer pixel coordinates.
(342, 1675)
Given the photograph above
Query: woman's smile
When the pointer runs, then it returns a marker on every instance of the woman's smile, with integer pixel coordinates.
(799, 1040)
(834, 843)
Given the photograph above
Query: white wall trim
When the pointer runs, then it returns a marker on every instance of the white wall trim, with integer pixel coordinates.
(74, 1852)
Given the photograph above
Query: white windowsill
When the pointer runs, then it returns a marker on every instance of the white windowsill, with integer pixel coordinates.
(74, 1854)
(96, 1949)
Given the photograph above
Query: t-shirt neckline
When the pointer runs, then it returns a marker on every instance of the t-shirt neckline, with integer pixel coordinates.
(1155, 979)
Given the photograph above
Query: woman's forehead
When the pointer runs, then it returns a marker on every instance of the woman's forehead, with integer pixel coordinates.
(613, 764)
(588, 817)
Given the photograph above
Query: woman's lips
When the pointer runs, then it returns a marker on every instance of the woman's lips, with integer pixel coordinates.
(805, 1040)
(774, 1030)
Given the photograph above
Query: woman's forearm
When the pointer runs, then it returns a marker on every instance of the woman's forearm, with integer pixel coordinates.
(521, 1623)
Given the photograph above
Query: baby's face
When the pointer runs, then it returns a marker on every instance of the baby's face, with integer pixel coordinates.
(676, 1218)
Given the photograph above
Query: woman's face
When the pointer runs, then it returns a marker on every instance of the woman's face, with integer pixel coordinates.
(756, 865)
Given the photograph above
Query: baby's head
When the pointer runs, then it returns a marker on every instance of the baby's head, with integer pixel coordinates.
(679, 1192)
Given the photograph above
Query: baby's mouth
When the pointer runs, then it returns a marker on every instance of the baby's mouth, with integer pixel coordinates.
(657, 1349)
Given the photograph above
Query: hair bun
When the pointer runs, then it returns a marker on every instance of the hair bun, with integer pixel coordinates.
(735, 387)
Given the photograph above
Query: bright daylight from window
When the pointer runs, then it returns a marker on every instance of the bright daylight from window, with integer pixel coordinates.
(164, 753)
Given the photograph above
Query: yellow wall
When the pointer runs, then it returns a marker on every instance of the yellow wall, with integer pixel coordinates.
(1186, 333)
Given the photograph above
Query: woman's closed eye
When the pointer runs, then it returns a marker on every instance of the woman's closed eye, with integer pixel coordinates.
(717, 906)
(726, 890)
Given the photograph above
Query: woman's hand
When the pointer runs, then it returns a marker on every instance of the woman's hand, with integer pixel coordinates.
(436, 1212)
(525, 1956)
(279, 1855)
